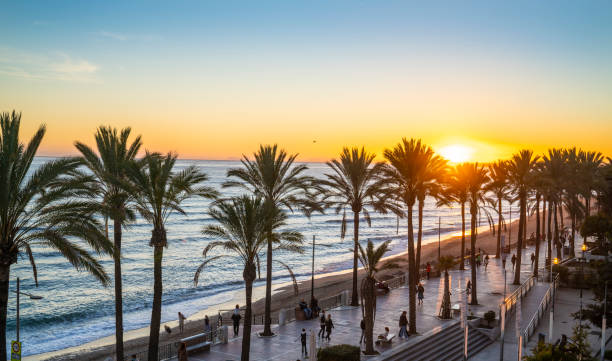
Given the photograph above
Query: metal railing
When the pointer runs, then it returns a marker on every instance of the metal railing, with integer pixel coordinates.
(537, 316)
(510, 301)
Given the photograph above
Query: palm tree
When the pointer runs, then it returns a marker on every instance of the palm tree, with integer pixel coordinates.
(444, 264)
(159, 192)
(520, 170)
(354, 183)
(498, 171)
(273, 176)
(242, 225)
(370, 259)
(109, 170)
(403, 175)
(43, 207)
(456, 191)
(590, 163)
(431, 182)
(477, 180)
(555, 169)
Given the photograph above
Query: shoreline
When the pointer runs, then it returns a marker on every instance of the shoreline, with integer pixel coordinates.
(329, 283)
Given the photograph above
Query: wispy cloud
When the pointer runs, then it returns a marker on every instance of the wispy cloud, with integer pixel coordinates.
(116, 36)
(127, 37)
(47, 66)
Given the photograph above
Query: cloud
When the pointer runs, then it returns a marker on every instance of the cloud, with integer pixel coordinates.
(46, 66)
(127, 37)
(116, 36)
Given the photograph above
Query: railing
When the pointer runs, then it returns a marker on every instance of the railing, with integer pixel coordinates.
(537, 316)
(510, 301)
(166, 352)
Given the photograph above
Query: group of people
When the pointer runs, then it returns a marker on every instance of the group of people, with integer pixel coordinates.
(313, 310)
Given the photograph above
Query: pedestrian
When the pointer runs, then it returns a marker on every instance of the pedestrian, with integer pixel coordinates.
(420, 292)
(322, 323)
(486, 262)
(513, 260)
(532, 259)
(428, 269)
(362, 326)
(207, 328)
(182, 352)
(236, 320)
(314, 306)
(303, 341)
(329, 324)
(468, 287)
(181, 319)
(403, 323)
(478, 260)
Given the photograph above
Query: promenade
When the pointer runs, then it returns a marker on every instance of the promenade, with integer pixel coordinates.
(286, 346)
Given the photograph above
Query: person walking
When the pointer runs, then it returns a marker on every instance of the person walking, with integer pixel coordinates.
(428, 269)
(513, 260)
(486, 262)
(181, 320)
(303, 342)
(329, 325)
(322, 324)
(236, 320)
(420, 292)
(362, 326)
(532, 259)
(468, 287)
(403, 323)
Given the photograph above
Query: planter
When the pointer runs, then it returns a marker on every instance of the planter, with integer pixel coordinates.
(492, 332)
(475, 322)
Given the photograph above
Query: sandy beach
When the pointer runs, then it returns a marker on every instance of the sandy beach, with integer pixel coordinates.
(325, 285)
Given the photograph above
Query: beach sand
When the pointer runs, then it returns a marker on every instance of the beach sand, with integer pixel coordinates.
(326, 285)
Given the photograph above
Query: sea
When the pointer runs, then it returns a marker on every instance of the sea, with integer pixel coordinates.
(76, 309)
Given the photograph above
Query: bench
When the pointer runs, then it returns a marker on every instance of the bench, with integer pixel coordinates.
(387, 340)
(198, 342)
(456, 309)
(300, 315)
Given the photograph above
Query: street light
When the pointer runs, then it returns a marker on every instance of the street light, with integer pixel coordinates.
(32, 297)
(552, 309)
(581, 260)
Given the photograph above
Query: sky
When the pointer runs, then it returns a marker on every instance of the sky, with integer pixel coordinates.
(214, 79)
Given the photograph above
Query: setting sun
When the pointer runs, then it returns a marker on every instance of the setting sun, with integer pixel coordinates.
(457, 153)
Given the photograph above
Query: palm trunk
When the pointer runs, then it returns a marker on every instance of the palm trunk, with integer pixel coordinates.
(158, 253)
(5, 270)
(419, 237)
(411, 275)
(549, 231)
(499, 225)
(446, 304)
(525, 228)
(519, 245)
(543, 217)
(474, 214)
(537, 243)
(118, 291)
(572, 251)
(267, 319)
(368, 318)
(462, 264)
(354, 297)
(557, 231)
(248, 275)
(561, 216)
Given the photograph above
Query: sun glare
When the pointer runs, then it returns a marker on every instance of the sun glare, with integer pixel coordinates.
(456, 153)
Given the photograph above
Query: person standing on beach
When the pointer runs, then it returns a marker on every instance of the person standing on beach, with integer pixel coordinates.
(513, 260)
(420, 293)
(181, 319)
(428, 269)
(236, 320)
(322, 323)
(362, 326)
(403, 323)
(329, 324)
(207, 327)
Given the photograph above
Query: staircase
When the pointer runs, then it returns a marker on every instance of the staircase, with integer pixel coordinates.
(446, 345)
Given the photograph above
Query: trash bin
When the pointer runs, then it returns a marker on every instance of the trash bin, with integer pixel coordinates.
(541, 337)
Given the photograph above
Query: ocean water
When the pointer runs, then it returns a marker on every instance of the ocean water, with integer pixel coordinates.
(76, 309)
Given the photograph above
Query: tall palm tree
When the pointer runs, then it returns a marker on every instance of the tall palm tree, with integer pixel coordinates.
(520, 170)
(555, 170)
(354, 183)
(242, 227)
(159, 192)
(456, 191)
(43, 207)
(478, 181)
(370, 258)
(444, 264)
(403, 174)
(109, 169)
(273, 176)
(499, 187)
(431, 182)
(590, 163)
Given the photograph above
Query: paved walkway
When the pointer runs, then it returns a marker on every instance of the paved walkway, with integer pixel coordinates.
(286, 346)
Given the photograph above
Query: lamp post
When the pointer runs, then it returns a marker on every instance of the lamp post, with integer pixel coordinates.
(503, 310)
(312, 272)
(552, 308)
(32, 297)
(582, 259)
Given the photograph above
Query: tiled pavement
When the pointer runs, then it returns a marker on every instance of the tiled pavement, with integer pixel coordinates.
(286, 346)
